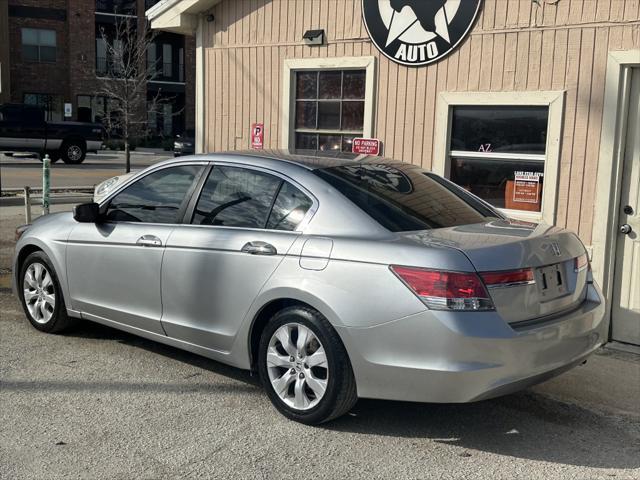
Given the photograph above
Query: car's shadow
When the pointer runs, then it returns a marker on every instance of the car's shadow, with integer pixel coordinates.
(525, 425)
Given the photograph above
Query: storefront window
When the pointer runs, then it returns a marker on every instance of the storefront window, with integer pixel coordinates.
(498, 153)
(91, 108)
(329, 109)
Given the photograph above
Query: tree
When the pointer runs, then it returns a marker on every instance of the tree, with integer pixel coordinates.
(125, 73)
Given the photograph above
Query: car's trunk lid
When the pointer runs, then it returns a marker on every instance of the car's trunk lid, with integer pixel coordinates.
(508, 245)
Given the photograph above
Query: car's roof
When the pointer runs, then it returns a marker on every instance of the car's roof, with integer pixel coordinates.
(310, 160)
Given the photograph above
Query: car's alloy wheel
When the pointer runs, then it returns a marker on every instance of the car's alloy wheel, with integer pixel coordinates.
(73, 152)
(39, 292)
(304, 366)
(297, 366)
(41, 295)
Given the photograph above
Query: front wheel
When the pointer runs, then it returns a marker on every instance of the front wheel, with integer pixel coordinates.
(73, 152)
(41, 295)
(305, 368)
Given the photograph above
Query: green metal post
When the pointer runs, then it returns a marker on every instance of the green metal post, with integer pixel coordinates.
(46, 184)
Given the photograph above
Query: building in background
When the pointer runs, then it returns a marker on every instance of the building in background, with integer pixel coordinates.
(4, 52)
(531, 105)
(57, 60)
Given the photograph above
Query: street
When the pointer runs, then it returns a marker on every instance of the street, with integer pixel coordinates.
(100, 403)
(19, 171)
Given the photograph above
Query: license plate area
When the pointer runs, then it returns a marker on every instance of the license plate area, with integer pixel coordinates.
(551, 281)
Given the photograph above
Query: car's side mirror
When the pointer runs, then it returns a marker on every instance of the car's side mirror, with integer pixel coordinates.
(86, 212)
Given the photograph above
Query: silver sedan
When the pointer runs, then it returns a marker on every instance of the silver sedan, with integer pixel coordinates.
(332, 278)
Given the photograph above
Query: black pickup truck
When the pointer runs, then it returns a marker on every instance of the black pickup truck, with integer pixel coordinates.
(24, 129)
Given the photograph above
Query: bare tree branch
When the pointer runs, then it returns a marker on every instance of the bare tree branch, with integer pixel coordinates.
(125, 72)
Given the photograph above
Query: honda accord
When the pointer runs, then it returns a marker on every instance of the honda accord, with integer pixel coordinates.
(332, 278)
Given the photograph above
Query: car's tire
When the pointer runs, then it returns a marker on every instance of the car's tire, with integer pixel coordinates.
(296, 387)
(73, 151)
(41, 296)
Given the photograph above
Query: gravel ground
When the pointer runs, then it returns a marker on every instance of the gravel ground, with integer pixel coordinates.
(98, 403)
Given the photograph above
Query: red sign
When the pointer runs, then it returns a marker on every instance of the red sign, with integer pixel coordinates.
(366, 146)
(257, 135)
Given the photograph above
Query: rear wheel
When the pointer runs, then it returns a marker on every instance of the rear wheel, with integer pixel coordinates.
(41, 295)
(73, 151)
(305, 368)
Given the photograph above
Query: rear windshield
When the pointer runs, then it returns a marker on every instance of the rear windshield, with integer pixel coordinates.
(404, 198)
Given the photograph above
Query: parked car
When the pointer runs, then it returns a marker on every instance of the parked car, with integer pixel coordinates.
(333, 279)
(23, 128)
(184, 144)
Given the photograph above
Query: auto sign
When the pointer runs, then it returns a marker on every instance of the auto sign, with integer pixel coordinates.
(418, 32)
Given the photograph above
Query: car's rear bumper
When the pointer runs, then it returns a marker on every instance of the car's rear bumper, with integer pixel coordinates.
(437, 356)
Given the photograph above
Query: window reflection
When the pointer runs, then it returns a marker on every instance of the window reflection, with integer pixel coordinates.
(236, 197)
(155, 198)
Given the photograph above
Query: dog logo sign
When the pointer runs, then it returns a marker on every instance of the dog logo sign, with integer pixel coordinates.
(418, 32)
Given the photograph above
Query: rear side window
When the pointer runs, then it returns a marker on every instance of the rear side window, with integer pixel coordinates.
(236, 197)
(289, 209)
(159, 197)
(402, 197)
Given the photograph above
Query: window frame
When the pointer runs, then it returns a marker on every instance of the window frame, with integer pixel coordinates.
(38, 45)
(553, 100)
(196, 197)
(292, 66)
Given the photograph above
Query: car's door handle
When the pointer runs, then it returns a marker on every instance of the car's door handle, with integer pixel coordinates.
(259, 248)
(149, 241)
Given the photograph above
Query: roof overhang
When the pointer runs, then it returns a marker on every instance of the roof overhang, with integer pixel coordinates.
(178, 16)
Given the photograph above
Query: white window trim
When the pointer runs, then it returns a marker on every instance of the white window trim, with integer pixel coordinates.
(291, 65)
(554, 100)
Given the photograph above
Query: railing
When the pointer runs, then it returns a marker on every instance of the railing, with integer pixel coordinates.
(28, 197)
(172, 72)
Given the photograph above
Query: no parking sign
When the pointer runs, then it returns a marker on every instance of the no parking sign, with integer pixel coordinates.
(257, 135)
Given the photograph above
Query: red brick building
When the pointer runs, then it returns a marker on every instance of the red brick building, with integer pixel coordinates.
(57, 59)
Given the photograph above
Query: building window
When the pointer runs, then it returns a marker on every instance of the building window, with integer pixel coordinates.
(329, 109)
(329, 102)
(38, 45)
(503, 147)
(92, 108)
(498, 153)
(52, 105)
(117, 7)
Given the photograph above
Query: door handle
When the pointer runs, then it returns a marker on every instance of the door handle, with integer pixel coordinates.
(149, 241)
(626, 229)
(259, 248)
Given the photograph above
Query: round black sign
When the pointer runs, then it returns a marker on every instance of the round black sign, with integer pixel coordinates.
(418, 32)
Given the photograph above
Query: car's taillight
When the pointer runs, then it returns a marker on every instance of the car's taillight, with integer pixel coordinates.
(442, 290)
(509, 278)
(581, 262)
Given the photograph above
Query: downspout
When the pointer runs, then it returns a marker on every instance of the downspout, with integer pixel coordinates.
(200, 86)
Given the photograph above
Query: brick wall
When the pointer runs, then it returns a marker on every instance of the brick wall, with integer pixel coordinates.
(190, 78)
(4, 52)
(33, 77)
(73, 73)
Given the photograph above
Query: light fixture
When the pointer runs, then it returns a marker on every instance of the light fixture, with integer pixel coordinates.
(313, 37)
(210, 18)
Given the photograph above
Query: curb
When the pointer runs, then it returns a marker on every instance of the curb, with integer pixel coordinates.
(18, 201)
